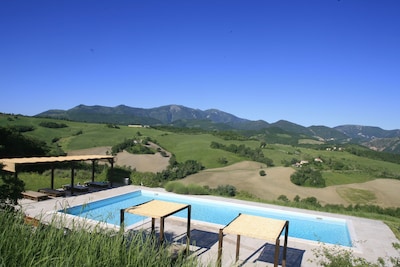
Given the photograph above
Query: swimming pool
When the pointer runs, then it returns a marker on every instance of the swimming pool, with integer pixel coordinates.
(303, 226)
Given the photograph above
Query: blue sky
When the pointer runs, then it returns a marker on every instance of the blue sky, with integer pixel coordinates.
(311, 62)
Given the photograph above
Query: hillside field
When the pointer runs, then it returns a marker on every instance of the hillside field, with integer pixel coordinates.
(362, 181)
(245, 176)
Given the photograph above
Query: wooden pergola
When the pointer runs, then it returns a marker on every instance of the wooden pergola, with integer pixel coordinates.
(11, 164)
(256, 227)
(158, 209)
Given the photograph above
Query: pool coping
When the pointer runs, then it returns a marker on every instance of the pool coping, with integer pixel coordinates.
(362, 231)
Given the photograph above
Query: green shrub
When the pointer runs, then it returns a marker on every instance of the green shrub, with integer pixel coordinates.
(176, 187)
(283, 198)
(226, 190)
(169, 186)
(306, 176)
(340, 257)
(51, 124)
(194, 189)
(180, 188)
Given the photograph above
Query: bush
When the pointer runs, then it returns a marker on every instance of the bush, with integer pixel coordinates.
(312, 201)
(10, 190)
(308, 177)
(180, 189)
(170, 186)
(226, 190)
(176, 187)
(222, 161)
(262, 173)
(194, 189)
(117, 174)
(51, 124)
(283, 198)
(340, 257)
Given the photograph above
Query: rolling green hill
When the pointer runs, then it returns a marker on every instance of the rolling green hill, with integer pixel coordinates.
(216, 120)
(338, 167)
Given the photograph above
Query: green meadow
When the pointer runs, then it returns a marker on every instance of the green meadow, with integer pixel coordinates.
(337, 168)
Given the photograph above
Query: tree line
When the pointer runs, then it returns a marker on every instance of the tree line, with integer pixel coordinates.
(244, 151)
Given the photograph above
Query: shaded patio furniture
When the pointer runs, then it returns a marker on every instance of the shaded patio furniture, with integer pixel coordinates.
(78, 188)
(256, 227)
(34, 195)
(52, 192)
(98, 184)
(157, 209)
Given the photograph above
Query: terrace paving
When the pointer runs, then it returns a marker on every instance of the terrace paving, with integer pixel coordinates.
(372, 238)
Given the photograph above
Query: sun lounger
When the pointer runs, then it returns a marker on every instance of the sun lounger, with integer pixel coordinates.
(78, 188)
(98, 184)
(52, 192)
(34, 195)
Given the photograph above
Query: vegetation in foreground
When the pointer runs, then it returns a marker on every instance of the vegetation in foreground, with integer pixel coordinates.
(46, 245)
(339, 257)
(29, 243)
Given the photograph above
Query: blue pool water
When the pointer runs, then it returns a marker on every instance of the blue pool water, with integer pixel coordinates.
(322, 229)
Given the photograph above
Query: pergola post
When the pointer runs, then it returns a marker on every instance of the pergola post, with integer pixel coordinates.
(112, 168)
(93, 170)
(72, 179)
(52, 176)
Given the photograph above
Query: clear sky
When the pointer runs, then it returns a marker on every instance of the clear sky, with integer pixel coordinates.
(311, 62)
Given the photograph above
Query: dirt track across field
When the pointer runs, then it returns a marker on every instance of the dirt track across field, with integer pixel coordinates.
(245, 177)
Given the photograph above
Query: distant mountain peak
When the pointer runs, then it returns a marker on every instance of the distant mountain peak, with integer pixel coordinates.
(214, 119)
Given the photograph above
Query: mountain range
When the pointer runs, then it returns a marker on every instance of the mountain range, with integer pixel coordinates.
(214, 119)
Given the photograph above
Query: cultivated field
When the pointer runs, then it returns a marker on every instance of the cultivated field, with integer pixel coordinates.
(245, 176)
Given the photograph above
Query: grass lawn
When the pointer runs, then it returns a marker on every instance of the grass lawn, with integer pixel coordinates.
(357, 196)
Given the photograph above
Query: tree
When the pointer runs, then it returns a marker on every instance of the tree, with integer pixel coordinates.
(306, 176)
(14, 144)
(10, 190)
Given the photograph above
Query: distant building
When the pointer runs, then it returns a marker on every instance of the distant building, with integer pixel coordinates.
(301, 163)
(318, 160)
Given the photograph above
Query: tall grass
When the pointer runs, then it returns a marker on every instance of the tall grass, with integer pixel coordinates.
(35, 180)
(46, 245)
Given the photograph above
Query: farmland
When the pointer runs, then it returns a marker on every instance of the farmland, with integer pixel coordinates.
(359, 180)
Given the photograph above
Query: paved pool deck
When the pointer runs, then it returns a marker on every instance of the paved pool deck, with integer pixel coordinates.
(372, 238)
